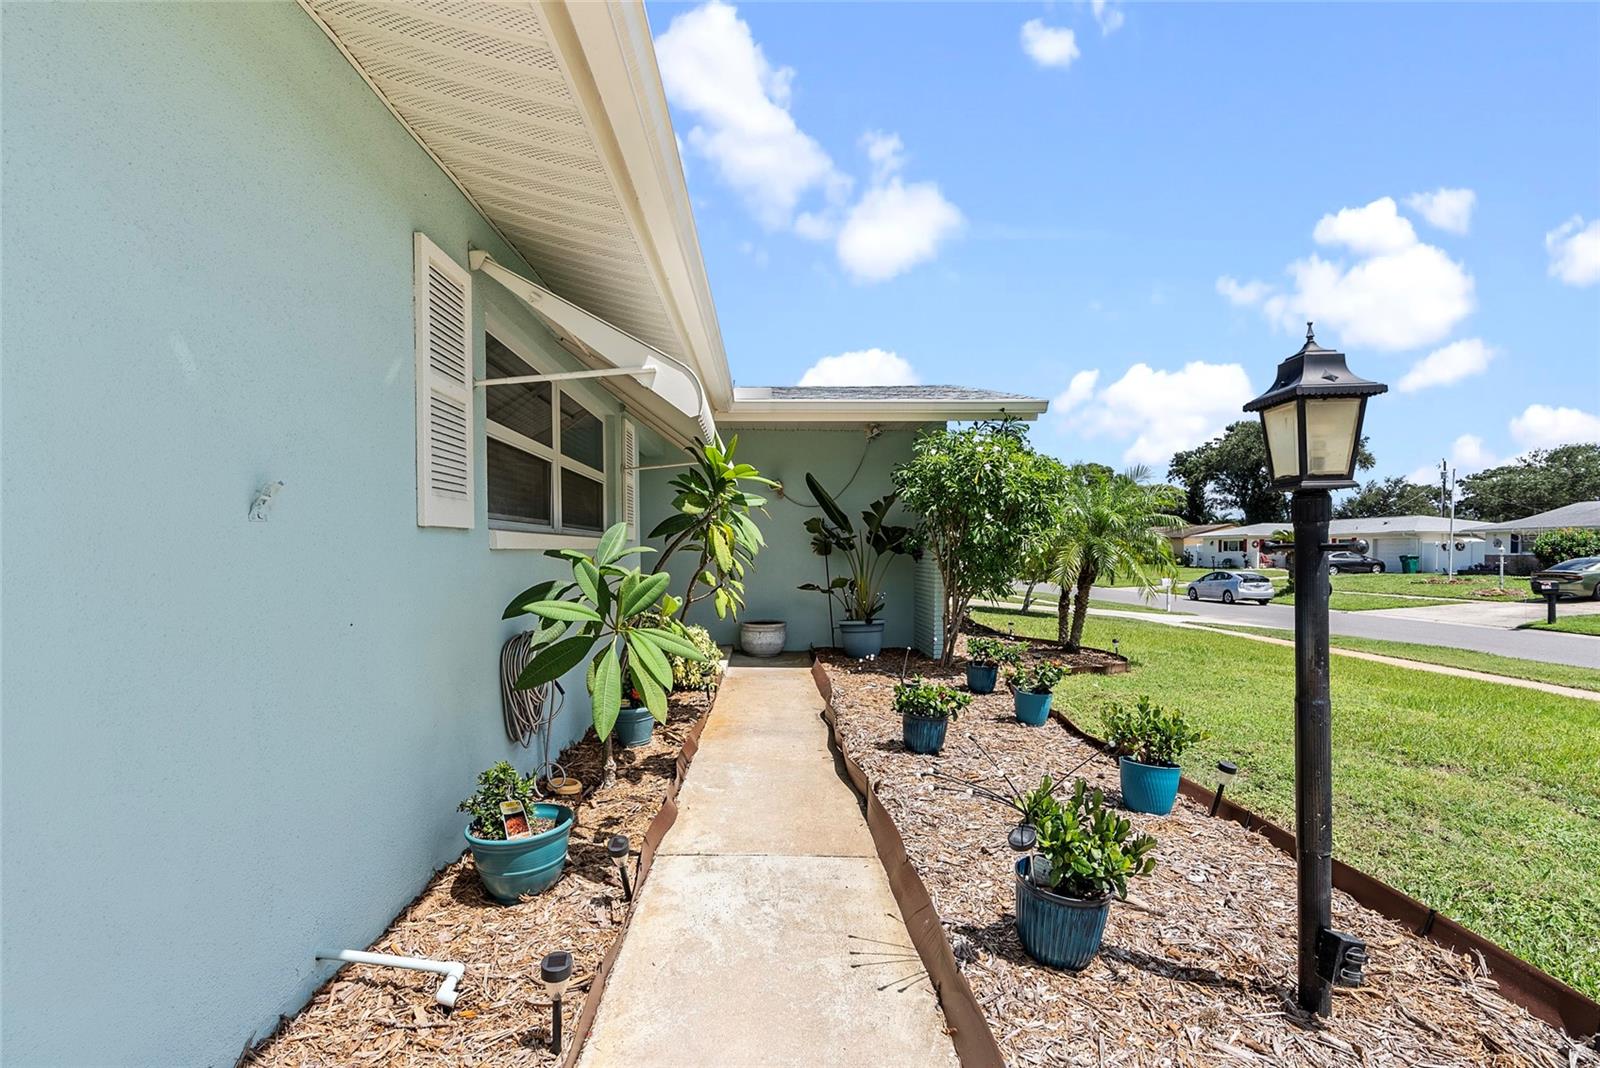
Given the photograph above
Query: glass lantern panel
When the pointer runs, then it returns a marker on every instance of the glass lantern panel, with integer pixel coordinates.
(1331, 435)
(1283, 439)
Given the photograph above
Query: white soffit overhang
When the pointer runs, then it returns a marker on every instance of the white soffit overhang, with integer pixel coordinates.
(662, 387)
(756, 406)
(551, 118)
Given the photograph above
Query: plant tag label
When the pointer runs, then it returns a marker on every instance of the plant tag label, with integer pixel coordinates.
(515, 820)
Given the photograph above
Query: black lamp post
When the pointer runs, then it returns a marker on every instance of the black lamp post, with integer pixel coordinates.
(1312, 418)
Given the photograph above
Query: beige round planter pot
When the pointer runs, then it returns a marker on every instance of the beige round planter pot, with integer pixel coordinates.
(763, 637)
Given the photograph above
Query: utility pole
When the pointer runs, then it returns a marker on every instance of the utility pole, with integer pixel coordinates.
(1451, 570)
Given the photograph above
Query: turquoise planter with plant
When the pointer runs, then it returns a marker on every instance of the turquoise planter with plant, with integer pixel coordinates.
(1150, 739)
(864, 552)
(522, 867)
(635, 726)
(984, 657)
(981, 678)
(1032, 686)
(926, 709)
(1086, 854)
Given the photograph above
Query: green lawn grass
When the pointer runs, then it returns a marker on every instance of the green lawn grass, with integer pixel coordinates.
(1463, 588)
(1580, 678)
(1479, 799)
(1570, 625)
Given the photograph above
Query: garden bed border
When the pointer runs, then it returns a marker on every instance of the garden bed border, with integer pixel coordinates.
(664, 818)
(1518, 981)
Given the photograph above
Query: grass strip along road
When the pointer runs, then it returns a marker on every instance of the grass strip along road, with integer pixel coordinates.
(1479, 799)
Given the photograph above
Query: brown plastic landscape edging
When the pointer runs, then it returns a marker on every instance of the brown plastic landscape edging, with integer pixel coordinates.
(659, 826)
(969, 1030)
(1518, 981)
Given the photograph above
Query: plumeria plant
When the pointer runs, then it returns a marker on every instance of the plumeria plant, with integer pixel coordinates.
(615, 617)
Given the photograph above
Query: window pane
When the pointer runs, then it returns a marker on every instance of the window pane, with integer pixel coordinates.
(582, 435)
(583, 502)
(519, 485)
(1331, 435)
(1283, 439)
(525, 409)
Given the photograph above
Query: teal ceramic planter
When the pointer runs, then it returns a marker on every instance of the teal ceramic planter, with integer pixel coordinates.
(1063, 932)
(634, 727)
(1151, 788)
(923, 734)
(981, 678)
(861, 640)
(1032, 708)
(512, 871)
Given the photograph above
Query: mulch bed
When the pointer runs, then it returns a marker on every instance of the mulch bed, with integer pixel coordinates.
(386, 1016)
(1200, 968)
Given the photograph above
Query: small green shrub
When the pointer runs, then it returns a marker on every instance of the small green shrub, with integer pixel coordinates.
(1040, 803)
(989, 652)
(929, 700)
(1040, 676)
(1092, 851)
(697, 674)
(1568, 543)
(1149, 733)
(497, 784)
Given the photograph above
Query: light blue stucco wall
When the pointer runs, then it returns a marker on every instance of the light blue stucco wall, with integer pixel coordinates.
(857, 472)
(226, 744)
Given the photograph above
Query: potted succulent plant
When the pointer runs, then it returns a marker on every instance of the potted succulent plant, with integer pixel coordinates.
(1150, 739)
(513, 868)
(621, 623)
(867, 553)
(1086, 854)
(926, 709)
(984, 658)
(1032, 686)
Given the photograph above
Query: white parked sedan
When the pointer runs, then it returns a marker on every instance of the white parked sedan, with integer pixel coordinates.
(1231, 586)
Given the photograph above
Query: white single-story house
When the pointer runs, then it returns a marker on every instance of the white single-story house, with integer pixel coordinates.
(1389, 538)
(264, 501)
(1514, 538)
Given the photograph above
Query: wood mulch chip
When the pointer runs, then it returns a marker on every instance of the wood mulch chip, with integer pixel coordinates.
(1199, 968)
(385, 1016)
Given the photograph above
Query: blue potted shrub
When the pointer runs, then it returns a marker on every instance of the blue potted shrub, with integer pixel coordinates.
(1086, 854)
(1032, 686)
(926, 709)
(984, 659)
(1151, 739)
(521, 867)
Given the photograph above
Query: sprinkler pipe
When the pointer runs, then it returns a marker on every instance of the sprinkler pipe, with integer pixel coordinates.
(452, 970)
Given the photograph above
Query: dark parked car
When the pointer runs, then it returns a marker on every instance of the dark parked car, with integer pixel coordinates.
(1571, 578)
(1348, 561)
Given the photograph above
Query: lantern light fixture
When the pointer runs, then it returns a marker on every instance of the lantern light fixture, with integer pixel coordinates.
(1311, 417)
(555, 972)
(1226, 770)
(618, 848)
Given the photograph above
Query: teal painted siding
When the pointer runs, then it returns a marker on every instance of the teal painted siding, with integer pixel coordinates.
(857, 473)
(226, 744)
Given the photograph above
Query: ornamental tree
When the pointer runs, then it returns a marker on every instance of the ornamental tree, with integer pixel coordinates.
(984, 497)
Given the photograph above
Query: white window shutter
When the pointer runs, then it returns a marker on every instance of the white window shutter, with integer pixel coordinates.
(445, 478)
(630, 481)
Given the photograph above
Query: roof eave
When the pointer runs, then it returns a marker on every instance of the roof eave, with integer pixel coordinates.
(881, 410)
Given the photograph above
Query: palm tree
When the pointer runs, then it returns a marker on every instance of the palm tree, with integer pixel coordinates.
(1108, 529)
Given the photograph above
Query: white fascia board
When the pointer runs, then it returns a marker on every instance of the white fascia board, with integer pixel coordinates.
(610, 58)
(665, 377)
(879, 411)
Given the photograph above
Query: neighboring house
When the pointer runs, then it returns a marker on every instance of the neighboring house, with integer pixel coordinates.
(1389, 538)
(1189, 539)
(253, 244)
(1514, 539)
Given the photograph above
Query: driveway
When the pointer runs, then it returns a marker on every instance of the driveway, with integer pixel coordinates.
(1397, 625)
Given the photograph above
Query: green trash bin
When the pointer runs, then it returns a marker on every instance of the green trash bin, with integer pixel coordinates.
(1410, 565)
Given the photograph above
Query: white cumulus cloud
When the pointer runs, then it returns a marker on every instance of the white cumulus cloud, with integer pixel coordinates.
(885, 151)
(1468, 454)
(1376, 228)
(1575, 252)
(1157, 412)
(1541, 426)
(1243, 294)
(864, 367)
(1452, 363)
(894, 227)
(1049, 46)
(1108, 13)
(713, 69)
(1447, 209)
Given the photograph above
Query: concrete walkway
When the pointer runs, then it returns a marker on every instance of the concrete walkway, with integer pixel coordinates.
(739, 952)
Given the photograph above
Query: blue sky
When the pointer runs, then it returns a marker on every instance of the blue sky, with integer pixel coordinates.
(1132, 208)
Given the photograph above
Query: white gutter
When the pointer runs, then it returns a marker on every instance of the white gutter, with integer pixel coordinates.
(452, 970)
(880, 410)
(664, 376)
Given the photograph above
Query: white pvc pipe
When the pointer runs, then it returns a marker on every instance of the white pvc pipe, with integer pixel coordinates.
(452, 970)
